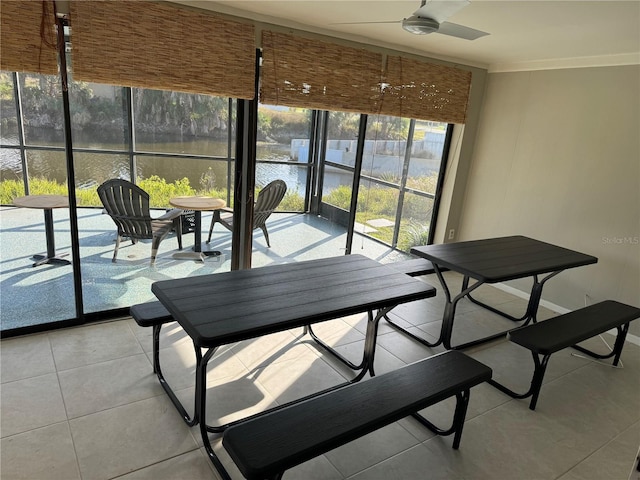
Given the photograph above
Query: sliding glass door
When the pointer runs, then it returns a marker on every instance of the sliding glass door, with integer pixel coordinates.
(33, 162)
(402, 161)
(355, 184)
(169, 143)
(397, 167)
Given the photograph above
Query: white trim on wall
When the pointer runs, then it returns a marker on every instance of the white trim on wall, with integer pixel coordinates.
(561, 63)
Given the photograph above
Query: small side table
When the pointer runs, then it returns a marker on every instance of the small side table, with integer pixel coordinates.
(46, 203)
(198, 205)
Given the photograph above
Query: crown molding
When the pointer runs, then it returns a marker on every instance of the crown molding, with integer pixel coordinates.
(561, 63)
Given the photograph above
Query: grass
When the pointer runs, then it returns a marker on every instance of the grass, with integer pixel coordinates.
(160, 192)
(372, 202)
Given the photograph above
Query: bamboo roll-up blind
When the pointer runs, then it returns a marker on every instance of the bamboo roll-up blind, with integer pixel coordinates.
(302, 72)
(28, 37)
(425, 91)
(150, 45)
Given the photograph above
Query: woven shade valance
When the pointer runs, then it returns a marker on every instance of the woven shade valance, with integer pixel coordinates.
(28, 37)
(150, 45)
(425, 91)
(301, 72)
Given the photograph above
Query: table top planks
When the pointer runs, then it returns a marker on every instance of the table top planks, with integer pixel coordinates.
(197, 203)
(227, 307)
(43, 202)
(505, 258)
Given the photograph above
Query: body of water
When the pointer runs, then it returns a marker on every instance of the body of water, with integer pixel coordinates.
(93, 168)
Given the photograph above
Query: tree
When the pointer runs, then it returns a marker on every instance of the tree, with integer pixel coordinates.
(343, 125)
(190, 114)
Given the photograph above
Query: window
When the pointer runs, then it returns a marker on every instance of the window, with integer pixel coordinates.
(282, 151)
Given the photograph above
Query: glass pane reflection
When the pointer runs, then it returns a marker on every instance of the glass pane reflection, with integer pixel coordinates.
(178, 122)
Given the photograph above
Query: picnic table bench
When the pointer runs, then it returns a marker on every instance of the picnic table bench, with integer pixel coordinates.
(548, 337)
(263, 447)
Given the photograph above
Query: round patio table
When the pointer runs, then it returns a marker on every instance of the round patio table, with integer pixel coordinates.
(198, 204)
(46, 203)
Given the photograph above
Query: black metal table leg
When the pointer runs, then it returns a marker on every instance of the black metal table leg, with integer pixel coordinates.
(540, 367)
(411, 335)
(462, 402)
(197, 252)
(529, 316)
(190, 421)
(201, 406)
(366, 364)
(448, 316)
(531, 311)
(370, 342)
(333, 351)
(197, 243)
(51, 256)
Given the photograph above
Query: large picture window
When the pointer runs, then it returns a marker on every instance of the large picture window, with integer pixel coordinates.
(169, 143)
(352, 173)
(282, 151)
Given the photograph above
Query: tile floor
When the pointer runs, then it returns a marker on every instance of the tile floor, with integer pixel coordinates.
(83, 403)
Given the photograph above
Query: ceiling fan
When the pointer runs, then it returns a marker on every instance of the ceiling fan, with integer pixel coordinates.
(430, 18)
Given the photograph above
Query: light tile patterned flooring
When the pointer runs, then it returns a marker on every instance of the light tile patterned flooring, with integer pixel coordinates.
(83, 403)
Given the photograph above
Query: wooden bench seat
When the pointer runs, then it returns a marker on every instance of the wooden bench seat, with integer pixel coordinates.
(545, 338)
(150, 314)
(266, 445)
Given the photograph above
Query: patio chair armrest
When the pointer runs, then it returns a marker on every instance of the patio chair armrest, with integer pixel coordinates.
(171, 214)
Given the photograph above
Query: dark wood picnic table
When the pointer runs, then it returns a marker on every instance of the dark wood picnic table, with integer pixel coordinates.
(496, 260)
(224, 308)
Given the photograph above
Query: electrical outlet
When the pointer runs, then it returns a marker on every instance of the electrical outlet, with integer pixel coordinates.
(452, 233)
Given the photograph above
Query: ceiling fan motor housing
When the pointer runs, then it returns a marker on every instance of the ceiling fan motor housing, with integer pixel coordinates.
(420, 25)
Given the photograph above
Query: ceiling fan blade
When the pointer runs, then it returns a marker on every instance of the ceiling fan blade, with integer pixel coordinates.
(460, 31)
(440, 10)
(364, 23)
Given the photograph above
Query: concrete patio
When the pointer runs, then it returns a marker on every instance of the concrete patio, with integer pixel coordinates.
(35, 295)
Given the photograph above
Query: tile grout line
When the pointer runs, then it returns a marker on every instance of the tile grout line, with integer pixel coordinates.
(64, 404)
(633, 463)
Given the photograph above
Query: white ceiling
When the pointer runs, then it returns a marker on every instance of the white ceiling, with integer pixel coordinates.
(525, 35)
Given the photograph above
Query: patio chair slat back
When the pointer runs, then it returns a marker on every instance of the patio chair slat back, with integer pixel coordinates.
(268, 200)
(128, 205)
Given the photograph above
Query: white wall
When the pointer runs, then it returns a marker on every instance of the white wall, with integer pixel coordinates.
(557, 158)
